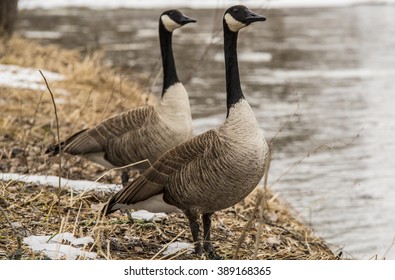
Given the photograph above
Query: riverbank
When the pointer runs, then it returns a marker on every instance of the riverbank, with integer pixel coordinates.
(86, 92)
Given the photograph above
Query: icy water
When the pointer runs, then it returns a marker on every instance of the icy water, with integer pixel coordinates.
(321, 82)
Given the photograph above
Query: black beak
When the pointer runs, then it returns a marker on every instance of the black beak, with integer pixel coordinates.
(184, 20)
(252, 17)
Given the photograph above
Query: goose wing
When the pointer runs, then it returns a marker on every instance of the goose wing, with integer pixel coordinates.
(95, 139)
(155, 178)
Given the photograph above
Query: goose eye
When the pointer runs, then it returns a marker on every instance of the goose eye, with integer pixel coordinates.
(235, 10)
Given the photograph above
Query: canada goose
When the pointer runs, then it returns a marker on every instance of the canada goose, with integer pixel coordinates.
(213, 170)
(144, 132)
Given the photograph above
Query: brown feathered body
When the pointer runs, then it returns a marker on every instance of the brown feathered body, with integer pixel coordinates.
(142, 133)
(210, 172)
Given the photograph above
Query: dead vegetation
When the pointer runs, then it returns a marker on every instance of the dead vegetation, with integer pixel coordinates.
(90, 93)
(32, 209)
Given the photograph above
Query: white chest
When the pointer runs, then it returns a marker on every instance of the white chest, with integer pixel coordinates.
(242, 127)
(174, 108)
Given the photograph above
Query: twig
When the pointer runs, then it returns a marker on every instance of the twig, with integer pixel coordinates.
(258, 203)
(248, 225)
(267, 166)
(176, 255)
(122, 167)
(108, 101)
(317, 148)
(259, 232)
(8, 221)
(285, 124)
(33, 123)
(161, 233)
(76, 219)
(18, 252)
(389, 248)
(58, 135)
(261, 208)
(60, 234)
(115, 168)
(82, 108)
(154, 79)
(215, 33)
(167, 245)
(36, 110)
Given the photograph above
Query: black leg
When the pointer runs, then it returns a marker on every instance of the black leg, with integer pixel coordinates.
(206, 232)
(129, 214)
(194, 225)
(125, 178)
(207, 240)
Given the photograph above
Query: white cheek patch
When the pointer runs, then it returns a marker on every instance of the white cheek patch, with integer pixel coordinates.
(234, 25)
(169, 24)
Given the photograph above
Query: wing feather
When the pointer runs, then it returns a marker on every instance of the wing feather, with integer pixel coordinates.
(154, 179)
(95, 140)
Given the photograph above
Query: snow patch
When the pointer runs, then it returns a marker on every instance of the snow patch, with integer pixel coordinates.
(79, 186)
(178, 246)
(53, 248)
(15, 76)
(148, 216)
(76, 185)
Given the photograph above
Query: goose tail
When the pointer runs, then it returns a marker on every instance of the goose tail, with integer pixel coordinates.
(54, 149)
(108, 207)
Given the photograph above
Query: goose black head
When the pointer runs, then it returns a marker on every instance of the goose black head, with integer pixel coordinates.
(173, 19)
(238, 17)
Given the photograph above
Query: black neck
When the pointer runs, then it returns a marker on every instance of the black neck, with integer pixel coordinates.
(169, 67)
(233, 88)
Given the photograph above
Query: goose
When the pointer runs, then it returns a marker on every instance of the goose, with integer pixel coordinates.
(211, 171)
(144, 132)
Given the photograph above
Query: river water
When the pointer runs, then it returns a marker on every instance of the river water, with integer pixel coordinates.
(321, 83)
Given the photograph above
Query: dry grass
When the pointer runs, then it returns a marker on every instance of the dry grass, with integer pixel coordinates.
(95, 92)
(90, 93)
(34, 208)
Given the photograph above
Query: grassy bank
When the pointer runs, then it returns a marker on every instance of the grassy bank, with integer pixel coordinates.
(89, 93)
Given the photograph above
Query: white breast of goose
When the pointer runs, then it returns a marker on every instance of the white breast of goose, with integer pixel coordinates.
(241, 128)
(175, 112)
